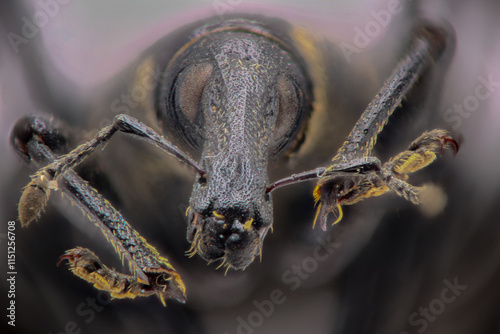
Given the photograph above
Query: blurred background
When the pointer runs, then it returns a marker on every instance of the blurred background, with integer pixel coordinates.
(388, 267)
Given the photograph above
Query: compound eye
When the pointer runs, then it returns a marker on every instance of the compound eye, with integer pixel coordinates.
(190, 85)
(290, 99)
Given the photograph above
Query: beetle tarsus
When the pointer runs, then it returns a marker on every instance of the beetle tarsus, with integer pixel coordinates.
(86, 265)
(341, 190)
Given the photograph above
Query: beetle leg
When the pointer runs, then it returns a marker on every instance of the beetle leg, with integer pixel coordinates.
(331, 191)
(145, 262)
(152, 272)
(347, 191)
(86, 265)
(426, 48)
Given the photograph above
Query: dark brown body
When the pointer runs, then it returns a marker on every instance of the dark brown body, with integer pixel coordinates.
(293, 212)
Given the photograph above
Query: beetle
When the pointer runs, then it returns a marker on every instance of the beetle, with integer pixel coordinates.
(238, 93)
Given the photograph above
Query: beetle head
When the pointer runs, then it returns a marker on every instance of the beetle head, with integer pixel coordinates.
(239, 99)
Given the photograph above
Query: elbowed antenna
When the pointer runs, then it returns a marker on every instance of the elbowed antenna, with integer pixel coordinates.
(357, 167)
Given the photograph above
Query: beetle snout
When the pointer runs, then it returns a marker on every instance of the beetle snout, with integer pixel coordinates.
(234, 239)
